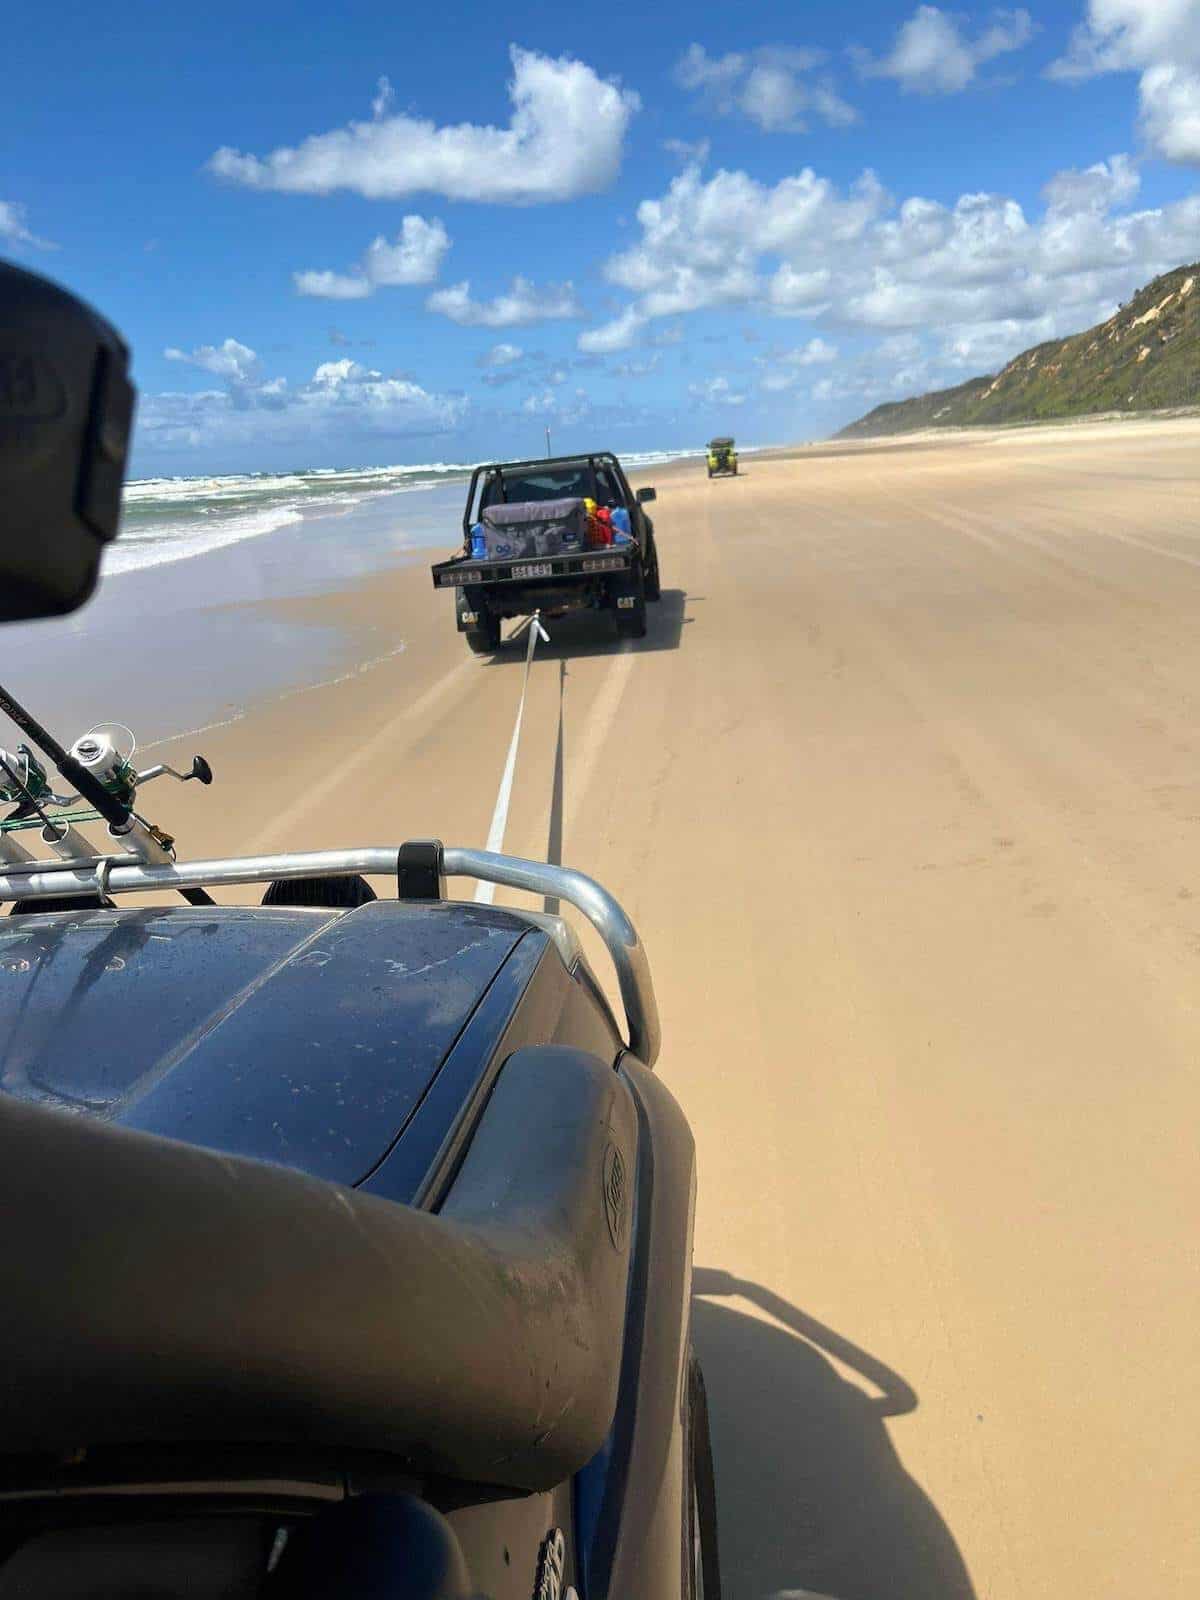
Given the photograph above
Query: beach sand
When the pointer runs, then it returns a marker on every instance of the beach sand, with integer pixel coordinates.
(903, 793)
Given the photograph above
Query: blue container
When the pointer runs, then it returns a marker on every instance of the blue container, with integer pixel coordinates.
(622, 530)
(478, 543)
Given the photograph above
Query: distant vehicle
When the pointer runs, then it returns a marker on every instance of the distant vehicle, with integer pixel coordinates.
(722, 458)
(554, 563)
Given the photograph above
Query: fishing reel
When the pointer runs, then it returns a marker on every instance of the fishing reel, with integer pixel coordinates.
(22, 777)
(99, 752)
(104, 755)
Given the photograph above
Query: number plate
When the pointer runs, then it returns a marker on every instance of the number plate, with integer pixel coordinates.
(533, 569)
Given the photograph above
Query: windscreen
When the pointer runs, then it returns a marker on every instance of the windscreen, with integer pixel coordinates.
(572, 480)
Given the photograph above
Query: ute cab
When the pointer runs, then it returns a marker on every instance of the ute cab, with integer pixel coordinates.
(722, 457)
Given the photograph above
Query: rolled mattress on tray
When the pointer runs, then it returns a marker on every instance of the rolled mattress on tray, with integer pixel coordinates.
(534, 528)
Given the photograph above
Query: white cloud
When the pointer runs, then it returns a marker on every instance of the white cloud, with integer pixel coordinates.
(540, 404)
(894, 369)
(793, 292)
(782, 368)
(1160, 39)
(900, 347)
(616, 335)
(557, 406)
(415, 257)
(774, 98)
(696, 69)
(13, 230)
(983, 346)
(502, 355)
(688, 152)
(812, 354)
(768, 86)
(524, 303)
(233, 361)
(332, 374)
(1127, 35)
(623, 332)
(980, 276)
(1096, 189)
(565, 139)
(716, 391)
(1170, 98)
(342, 401)
(509, 363)
(333, 285)
(639, 369)
(933, 56)
(703, 241)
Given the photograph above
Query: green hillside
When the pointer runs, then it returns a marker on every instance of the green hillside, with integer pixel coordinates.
(1145, 358)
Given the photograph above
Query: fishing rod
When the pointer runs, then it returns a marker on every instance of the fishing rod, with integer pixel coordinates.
(115, 806)
(115, 811)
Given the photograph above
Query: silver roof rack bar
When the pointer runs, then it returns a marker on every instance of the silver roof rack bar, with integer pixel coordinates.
(602, 911)
(61, 878)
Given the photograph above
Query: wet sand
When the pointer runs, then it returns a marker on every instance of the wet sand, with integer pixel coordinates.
(208, 639)
(903, 792)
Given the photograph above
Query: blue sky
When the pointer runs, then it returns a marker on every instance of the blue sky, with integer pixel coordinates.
(760, 220)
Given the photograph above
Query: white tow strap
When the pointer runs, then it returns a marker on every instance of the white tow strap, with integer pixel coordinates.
(485, 893)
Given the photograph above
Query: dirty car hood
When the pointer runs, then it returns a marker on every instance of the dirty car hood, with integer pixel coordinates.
(295, 1036)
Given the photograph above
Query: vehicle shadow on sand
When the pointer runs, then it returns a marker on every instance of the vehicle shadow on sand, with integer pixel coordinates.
(593, 633)
(812, 1499)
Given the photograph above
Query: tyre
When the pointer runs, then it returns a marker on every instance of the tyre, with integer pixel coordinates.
(653, 582)
(710, 472)
(483, 641)
(631, 606)
(701, 1505)
(483, 636)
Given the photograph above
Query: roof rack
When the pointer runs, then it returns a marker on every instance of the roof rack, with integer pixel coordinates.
(51, 880)
(501, 469)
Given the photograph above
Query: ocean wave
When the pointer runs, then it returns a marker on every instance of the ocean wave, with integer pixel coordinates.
(173, 519)
(134, 553)
(143, 492)
(654, 458)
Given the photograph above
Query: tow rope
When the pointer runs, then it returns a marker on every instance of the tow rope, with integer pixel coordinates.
(485, 893)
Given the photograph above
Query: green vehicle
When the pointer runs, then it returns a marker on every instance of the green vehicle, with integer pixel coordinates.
(722, 457)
